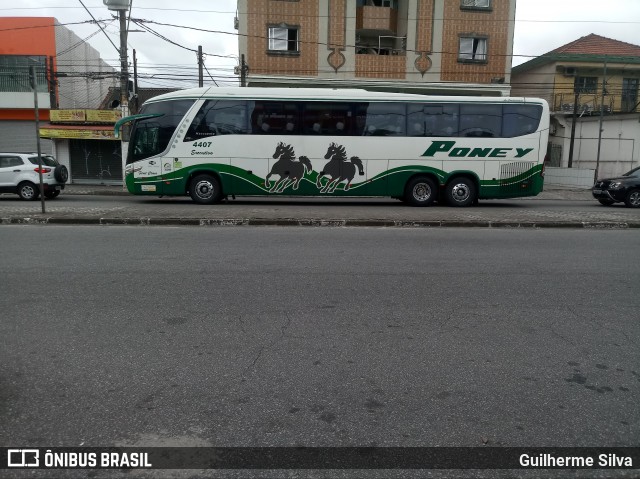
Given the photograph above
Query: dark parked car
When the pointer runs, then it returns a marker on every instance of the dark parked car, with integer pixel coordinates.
(625, 188)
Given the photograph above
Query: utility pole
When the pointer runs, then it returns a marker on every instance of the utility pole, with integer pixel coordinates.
(122, 6)
(51, 80)
(124, 73)
(243, 71)
(573, 125)
(136, 103)
(604, 92)
(34, 84)
(200, 65)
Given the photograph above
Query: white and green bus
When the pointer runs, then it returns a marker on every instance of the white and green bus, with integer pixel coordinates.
(212, 143)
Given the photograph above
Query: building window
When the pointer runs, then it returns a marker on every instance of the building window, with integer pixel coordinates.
(475, 4)
(586, 85)
(14, 73)
(629, 94)
(472, 49)
(378, 3)
(283, 38)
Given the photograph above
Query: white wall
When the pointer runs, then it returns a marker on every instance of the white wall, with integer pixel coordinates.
(20, 137)
(619, 145)
(569, 177)
(78, 57)
(24, 100)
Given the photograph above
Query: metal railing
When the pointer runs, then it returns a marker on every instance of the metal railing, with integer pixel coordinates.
(588, 103)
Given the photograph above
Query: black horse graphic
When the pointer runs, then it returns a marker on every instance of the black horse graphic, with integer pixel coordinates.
(338, 169)
(289, 169)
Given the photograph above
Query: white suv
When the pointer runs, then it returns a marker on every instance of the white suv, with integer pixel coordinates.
(19, 174)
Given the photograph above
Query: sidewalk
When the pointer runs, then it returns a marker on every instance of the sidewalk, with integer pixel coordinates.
(550, 192)
(110, 205)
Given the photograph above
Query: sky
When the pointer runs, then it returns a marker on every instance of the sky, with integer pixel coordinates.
(541, 26)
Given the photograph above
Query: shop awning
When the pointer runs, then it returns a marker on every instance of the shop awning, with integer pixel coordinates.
(78, 132)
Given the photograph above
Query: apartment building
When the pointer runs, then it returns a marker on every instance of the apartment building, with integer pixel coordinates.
(593, 81)
(420, 46)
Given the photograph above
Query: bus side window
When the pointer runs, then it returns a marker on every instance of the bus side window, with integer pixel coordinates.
(481, 120)
(199, 128)
(442, 119)
(416, 120)
(228, 118)
(273, 117)
(385, 119)
(520, 120)
(218, 117)
(325, 118)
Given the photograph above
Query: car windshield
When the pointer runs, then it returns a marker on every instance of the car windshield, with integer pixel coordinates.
(635, 172)
(46, 160)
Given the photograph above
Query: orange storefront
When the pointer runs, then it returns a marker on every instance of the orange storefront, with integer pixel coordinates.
(86, 146)
(26, 37)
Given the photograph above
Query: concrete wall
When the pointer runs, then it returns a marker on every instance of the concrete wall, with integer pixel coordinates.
(76, 56)
(536, 83)
(20, 137)
(569, 177)
(619, 146)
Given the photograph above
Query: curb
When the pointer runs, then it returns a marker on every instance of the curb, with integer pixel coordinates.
(348, 223)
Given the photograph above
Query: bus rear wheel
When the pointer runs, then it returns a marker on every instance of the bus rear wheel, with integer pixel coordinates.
(205, 189)
(460, 191)
(421, 191)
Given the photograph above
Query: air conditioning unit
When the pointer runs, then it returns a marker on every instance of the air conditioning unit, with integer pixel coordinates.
(569, 71)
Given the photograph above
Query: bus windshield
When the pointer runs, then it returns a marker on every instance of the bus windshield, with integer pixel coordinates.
(151, 136)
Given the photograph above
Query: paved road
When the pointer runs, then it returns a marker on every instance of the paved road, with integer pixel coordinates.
(555, 208)
(319, 336)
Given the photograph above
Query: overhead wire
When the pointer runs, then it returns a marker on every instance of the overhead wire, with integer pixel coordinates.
(174, 70)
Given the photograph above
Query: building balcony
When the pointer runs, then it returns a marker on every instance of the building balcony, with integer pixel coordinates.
(377, 19)
(592, 104)
(381, 66)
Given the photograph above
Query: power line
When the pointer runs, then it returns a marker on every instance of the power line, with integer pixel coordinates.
(230, 12)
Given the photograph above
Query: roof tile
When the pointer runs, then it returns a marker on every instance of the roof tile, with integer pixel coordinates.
(596, 45)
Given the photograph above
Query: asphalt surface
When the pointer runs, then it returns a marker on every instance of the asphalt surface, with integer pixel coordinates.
(276, 336)
(111, 205)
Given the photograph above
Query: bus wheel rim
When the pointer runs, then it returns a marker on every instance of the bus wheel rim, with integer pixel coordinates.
(422, 192)
(460, 192)
(204, 189)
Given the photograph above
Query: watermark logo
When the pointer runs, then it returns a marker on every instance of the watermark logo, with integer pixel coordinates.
(23, 458)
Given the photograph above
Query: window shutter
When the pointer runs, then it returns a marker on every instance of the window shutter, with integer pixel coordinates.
(466, 49)
(278, 38)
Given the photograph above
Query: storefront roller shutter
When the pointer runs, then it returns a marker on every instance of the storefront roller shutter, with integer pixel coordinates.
(98, 161)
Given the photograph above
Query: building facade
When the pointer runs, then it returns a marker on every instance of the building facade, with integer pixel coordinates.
(589, 80)
(418, 46)
(70, 77)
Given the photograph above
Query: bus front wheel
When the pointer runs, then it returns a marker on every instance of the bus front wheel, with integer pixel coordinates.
(421, 191)
(460, 191)
(205, 189)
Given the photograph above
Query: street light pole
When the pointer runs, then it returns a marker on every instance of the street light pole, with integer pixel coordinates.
(122, 6)
(604, 92)
(124, 71)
